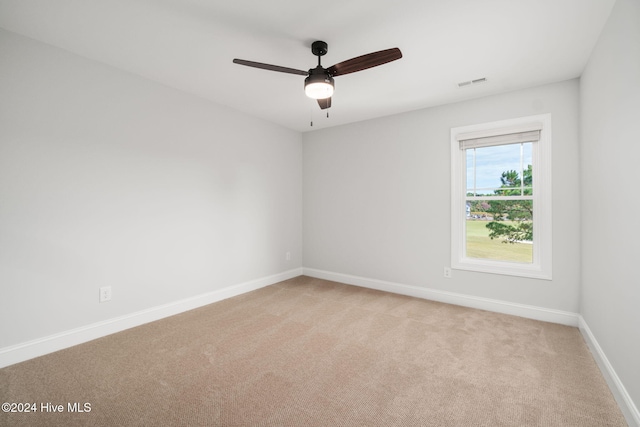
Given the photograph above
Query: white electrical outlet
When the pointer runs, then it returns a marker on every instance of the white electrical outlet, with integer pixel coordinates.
(105, 293)
(447, 272)
(287, 256)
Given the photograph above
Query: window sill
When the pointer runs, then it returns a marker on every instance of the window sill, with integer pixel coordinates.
(502, 267)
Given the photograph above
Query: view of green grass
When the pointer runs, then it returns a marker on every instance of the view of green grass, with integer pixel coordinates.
(480, 245)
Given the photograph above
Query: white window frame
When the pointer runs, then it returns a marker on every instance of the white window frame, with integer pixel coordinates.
(542, 215)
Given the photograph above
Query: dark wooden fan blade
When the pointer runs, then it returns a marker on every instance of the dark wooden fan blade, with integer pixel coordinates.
(270, 67)
(324, 103)
(365, 61)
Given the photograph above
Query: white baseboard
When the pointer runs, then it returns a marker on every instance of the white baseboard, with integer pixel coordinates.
(41, 346)
(628, 407)
(522, 310)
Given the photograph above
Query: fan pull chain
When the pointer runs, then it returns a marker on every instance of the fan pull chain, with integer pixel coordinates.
(311, 115)
(311, 110)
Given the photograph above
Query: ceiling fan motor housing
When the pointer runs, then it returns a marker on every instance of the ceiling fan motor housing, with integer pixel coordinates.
(319, 84)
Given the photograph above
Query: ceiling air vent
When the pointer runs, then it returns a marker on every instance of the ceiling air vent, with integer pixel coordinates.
(472, 82)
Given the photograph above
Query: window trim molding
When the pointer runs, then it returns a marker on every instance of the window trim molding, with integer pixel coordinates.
(542, 212)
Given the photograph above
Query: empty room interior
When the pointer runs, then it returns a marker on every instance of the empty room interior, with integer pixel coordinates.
(191, 233)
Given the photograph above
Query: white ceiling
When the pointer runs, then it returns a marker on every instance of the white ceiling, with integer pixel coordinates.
(190, 45)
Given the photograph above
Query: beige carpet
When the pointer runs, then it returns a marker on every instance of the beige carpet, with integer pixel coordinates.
(307, 352)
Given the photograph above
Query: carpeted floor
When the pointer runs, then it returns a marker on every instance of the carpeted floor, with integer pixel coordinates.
(308, 352)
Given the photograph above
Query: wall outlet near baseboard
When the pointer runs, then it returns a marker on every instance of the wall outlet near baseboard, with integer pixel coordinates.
(447, 272)
(287, 256)
(105, 293)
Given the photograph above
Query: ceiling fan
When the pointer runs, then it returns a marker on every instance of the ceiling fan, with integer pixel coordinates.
(319, 82)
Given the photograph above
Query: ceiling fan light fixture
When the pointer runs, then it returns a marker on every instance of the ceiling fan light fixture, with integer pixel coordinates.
(319, 86)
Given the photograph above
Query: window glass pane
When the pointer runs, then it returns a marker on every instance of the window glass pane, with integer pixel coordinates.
(499, 170)
(500, 230)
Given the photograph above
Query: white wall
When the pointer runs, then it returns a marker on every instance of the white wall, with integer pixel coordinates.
(110, 179)
(377, 198)
(609, 156)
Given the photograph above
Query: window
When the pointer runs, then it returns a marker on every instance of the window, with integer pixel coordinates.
(501, 197)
